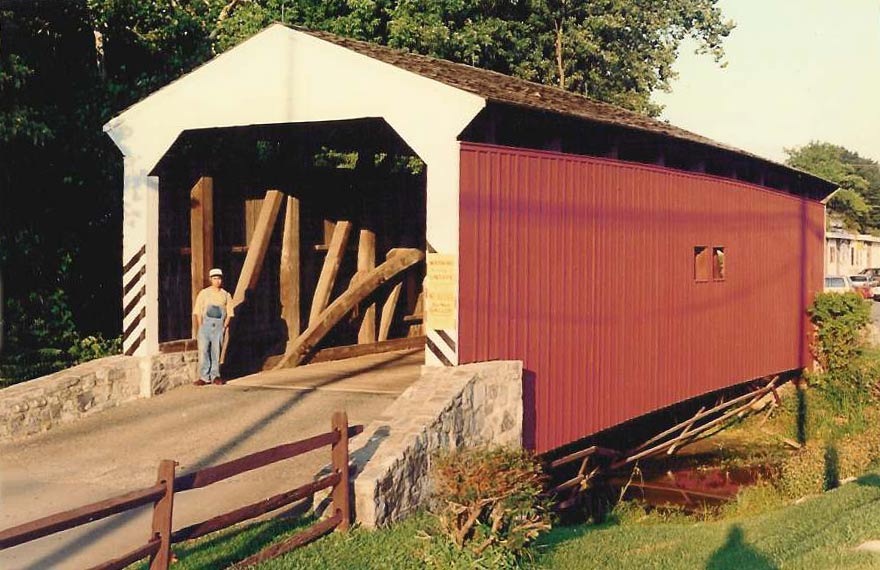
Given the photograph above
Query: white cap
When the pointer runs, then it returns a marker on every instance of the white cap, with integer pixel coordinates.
(215, 273)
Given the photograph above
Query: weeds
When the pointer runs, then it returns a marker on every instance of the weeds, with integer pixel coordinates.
(490, 498)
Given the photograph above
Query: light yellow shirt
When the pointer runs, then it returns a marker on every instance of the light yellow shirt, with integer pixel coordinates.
(210, 296)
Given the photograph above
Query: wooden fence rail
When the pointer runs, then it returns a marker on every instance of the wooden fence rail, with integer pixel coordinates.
(161, 495)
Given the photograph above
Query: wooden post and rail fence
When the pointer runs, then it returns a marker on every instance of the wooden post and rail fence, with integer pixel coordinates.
(161, 495)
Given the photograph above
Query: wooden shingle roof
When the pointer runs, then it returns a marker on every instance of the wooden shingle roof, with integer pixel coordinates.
(500, 88)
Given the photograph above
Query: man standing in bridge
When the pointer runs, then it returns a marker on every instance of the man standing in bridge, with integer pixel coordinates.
(212, 311)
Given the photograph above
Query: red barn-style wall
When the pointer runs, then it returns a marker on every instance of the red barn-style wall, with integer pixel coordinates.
(583, 268)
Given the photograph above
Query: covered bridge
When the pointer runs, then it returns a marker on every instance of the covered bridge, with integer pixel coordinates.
(628, 263)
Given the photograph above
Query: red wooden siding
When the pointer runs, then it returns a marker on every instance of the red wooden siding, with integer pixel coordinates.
(583, 268)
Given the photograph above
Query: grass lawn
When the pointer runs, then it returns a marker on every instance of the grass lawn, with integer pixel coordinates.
(820, 532)
(763, 529)
(226, 547)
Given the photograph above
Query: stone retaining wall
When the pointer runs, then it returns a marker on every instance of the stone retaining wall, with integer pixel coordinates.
(446, 408)
(172, 370)
(40, 404)
(37, 405)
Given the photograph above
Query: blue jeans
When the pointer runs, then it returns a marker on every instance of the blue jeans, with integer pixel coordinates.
(210, 339)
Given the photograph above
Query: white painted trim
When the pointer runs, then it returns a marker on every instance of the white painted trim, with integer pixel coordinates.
(431, 359)
(442, 227)
(140, 228)
(281, 76)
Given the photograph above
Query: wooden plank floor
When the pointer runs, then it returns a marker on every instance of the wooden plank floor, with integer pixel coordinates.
(386, 373)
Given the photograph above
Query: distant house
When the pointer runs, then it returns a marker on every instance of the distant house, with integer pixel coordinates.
(849, 253)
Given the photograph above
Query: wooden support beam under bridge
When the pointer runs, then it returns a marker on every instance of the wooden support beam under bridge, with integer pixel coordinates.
(703, 423)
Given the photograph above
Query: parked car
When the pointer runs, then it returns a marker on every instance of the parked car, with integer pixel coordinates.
(871, 272)
(863, 285)
(838, 284)
(874, 274)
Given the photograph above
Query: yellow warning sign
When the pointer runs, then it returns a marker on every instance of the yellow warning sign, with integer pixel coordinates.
(441, 280)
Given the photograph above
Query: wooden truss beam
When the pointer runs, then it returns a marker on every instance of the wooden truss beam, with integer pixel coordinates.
(582, 454)
(201, 236)
(332, 353)
(330, 270)
(388, 312)
(289, 272)
(366, 261)
(721, 405)
(253, 261)
(256, 254)
(685, 431)
(398, 261)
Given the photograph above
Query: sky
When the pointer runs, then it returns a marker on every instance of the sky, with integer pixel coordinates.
(797, 71)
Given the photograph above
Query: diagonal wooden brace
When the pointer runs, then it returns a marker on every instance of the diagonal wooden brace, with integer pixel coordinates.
(398, 261)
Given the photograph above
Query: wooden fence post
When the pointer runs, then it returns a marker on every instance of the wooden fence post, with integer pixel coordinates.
(339, 451)
(162, 512)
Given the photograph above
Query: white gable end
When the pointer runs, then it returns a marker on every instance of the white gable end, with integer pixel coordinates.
(280, 76)
(285, 76)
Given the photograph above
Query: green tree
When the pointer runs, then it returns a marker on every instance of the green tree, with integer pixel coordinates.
(620, 51)
(851, 207)
(66, 67)
(613, 50)
(858, 200)
(56, 169)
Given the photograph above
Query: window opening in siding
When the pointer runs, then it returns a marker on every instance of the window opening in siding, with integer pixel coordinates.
(718, 263)
(702, 263)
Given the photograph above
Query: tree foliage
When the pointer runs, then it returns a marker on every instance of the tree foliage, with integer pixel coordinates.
(619, 51)
(839, 321)
(847, 373)
(851, 207)
(66, 67)
(857, 202)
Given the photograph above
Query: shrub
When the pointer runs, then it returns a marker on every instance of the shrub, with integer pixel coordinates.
(22, 365)
(840, 321)
(857, 454)
(755, 499)
(25, 365)
(803, 473)
(490, 497)
(823, 465)
(92, 347)
(848, 374)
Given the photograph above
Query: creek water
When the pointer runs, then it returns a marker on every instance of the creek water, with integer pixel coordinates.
(692, 488)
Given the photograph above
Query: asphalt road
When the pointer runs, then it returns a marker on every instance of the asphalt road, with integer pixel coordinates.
(118, 451)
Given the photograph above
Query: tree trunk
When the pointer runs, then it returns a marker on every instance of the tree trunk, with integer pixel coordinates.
(2, 306)
(99, 55)
(560, 67)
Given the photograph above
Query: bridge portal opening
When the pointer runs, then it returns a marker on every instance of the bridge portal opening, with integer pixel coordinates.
(297, 216)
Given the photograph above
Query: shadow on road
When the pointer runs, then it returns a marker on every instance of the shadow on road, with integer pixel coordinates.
(112, 524)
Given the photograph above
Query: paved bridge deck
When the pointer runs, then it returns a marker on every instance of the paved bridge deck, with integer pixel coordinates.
(118, 451)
